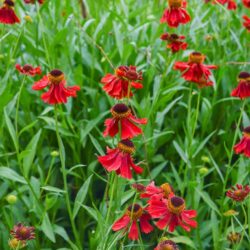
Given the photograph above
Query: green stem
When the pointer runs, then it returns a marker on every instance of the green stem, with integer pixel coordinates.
(231, 150)
(18, 104)
(65, 185)
(113, 183)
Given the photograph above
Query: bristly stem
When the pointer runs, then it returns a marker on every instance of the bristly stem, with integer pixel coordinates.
(64, 173)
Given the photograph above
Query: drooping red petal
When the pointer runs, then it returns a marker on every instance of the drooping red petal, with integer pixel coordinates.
(121, 223)
(133, 232)
(41, 84)
(146, 227)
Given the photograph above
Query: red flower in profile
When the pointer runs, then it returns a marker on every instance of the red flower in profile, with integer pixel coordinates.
(243, 89)
(119, 85)
(167, 245)
(238, 193)
(23, 233)
(120, 160)
(33, 1)
(175, 42)
(7, 13)
(58, 91)
(195, 71)
(134, 218)
(29, 70)
(246, 3)
(246, 23)
(171, 213)
(163, 191)
(175, 14)
(123, 119)
(243, 147)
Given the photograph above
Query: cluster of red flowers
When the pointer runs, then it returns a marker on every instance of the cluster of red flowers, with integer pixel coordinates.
(21, 235)
(58, 90)
(231, 4)
(123, 123)
(161, 204)
(7, 12)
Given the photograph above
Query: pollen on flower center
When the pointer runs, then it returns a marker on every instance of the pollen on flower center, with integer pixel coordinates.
(246, 132)
(196, 57)
(126, 146)
(176, 205)
(56, 76)
(120, 111)
(175, 3)
(167, 189)
(244, 76)
(167, 245)
(134, 211)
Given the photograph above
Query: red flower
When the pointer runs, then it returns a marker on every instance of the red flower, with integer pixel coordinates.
(231, 5)
(171, 213)
(175, 42)
(123, 119)
(120, 160)
(33, 1)
(243, 147)
(246, 23)
(23, 233)
(246, 3)
(139, 187)
(119, 85)
(175, 14)
(29, 70)
(7, 13)
(238, 193)
(167, 245)
(133, 216)
(163, 191)
(58, 91)
(195, 71)
(243, 89)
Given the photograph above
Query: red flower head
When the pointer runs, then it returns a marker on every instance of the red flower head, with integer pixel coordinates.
(23, 233)
(243, 89)
(7, 13)
(58, 91)
(243, 147)
(119, 85)
(175, 42)
(29, 70)
(246, 3)
(195, 71)
(140, 188)
(133, 216)
(163, 191)
(120, 160)
(246, 23)
(231, 5)
(238, 193)
(175, 14)
(33, 1)
(167, 245)
(123, 119)
(171, 213)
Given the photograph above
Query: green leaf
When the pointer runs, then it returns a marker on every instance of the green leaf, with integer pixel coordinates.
(81, 195)
(208, 200)
(47, 228)
(180, 152)
(10, 174)
(184, 240)
(11, 129)
(29, 158)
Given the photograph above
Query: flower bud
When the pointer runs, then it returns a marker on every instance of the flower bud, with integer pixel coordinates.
(54, 153)
(11, 199)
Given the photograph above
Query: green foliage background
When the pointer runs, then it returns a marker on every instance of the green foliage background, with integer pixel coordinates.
(127, 32)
